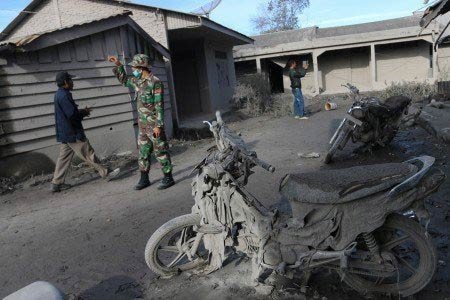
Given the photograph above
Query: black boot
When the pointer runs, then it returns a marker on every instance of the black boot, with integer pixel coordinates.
(166, 182)
(143, 182)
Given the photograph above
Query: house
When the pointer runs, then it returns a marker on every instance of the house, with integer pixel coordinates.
(193, 58)
(370, 55)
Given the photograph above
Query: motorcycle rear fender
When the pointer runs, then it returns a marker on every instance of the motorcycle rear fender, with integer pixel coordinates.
(424, 163)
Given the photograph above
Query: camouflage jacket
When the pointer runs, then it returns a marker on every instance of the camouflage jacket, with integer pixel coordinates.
(148, 94)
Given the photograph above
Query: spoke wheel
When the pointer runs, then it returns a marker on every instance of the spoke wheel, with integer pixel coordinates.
(168, 250)
(404, 245)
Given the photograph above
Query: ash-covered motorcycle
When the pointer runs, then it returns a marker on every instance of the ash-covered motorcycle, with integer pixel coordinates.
(370, 121)
(351, 221)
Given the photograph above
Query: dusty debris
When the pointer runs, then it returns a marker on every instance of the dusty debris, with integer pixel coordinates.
(309, 155)
(437, 104)
(264, 290)
(7, 185)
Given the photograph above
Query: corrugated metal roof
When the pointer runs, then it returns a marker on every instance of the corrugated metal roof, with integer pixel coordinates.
(19, 42)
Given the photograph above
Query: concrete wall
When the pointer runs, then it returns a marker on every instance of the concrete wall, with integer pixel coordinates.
(345, 66)
(221, 75)
(27, 88)
(444, 62)
(403, 62)
(53, 14)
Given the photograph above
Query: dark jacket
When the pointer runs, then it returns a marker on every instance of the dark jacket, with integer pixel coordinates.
(68, 118)
(295, 75)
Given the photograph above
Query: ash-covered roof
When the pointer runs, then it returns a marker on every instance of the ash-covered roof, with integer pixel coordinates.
(310, 33)
(22, 41)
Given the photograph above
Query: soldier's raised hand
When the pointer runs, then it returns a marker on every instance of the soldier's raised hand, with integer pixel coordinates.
(114, 60)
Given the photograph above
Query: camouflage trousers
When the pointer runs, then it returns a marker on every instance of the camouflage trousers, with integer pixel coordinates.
(149, 144)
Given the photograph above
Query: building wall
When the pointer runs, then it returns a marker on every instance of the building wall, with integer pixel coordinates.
(27, 89)
(191, 78)
(444, 62)
(77, 11)
(221, 75)
(403, 62)
(345, 66)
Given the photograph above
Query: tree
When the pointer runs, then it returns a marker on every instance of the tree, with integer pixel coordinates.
(279, 15)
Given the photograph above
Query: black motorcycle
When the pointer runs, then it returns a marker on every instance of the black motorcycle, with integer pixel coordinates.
(370, 121)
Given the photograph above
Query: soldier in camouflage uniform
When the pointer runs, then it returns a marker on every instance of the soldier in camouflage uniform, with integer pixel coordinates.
(150, 105)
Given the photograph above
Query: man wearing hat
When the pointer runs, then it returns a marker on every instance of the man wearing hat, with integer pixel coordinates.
(70, 133)
(150, 105)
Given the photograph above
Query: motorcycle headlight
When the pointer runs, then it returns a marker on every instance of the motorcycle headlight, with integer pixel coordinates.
(357, 112)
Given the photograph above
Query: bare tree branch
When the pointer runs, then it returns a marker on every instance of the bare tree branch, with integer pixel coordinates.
(279, 15)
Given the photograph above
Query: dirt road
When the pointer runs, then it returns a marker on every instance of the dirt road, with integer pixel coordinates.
(90, 240)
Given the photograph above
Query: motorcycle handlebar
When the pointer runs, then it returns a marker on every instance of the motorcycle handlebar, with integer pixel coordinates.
(266, 166)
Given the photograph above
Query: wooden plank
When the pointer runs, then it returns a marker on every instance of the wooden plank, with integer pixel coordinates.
(138, 39)
(49, 131)
(39, 88)
(45, 56)
(48, 87)
(45, 109)
(32, 100)
(110, 39)
(31, 145)
(17, 69)
(124, 43)
(97, 46)
(6, 80)
(50, 76)
(131, 41)
(64, 52)
(49, 120)
(81, 49)
(22, 58)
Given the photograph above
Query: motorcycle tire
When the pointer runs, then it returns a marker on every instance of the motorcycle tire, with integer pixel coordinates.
(426, 264)
(341, 137)
(168, 230)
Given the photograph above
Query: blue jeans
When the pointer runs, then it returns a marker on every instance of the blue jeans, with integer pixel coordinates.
(299, 102)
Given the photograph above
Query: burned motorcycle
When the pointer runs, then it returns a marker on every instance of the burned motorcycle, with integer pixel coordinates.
(350, 221)
(369, 121)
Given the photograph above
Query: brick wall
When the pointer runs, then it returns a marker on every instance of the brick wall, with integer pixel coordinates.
(79, 11)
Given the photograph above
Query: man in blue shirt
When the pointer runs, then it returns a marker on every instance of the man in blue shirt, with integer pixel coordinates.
(70, 133)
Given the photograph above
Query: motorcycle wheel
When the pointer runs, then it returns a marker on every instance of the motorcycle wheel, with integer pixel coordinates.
(341, 137)
(415, 257)
(165, 252)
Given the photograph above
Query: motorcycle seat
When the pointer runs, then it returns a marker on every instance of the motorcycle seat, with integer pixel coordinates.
(344, 185)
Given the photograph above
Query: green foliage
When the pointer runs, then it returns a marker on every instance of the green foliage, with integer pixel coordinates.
(279, 15)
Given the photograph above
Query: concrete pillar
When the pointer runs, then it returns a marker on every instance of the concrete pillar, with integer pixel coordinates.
(435, 64)
(315, 55)
(258, 66)
(373, 66)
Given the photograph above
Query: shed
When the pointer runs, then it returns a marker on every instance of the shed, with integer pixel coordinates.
(27, 73)
(201, 74)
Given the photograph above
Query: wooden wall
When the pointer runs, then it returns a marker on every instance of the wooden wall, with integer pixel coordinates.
(27, 87)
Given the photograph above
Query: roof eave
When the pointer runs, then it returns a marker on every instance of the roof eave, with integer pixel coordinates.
(237, 35)
(49, 39)
(22, 15)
